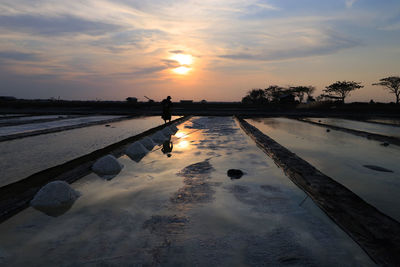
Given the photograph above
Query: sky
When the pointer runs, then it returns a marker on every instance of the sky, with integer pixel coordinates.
(194, 49)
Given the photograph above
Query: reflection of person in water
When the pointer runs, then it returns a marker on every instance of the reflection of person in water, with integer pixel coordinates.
(167, 147)
(166, 109)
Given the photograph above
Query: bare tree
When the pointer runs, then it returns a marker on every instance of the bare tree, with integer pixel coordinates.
(391, 83)
(342, 88)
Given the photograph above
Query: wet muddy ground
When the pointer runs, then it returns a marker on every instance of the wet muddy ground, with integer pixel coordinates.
(181, 208)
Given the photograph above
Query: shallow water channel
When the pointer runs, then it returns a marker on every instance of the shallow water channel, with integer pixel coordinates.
(342, 156)
(20, 158)
(360, 126)
(27, 119)
(388, 121)
(31, 127)
(185, 210)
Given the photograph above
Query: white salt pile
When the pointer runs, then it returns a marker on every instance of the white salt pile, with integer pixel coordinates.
(158, 137)
(136, 151)
(173, 128)
(147, 143)
(107, 167)
(55, 198)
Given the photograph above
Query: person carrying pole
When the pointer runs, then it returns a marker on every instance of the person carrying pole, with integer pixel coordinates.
(166, 109)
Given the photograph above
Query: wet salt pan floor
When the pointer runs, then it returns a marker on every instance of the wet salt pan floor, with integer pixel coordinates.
(185, 210)
(387, 130)
(344, 157)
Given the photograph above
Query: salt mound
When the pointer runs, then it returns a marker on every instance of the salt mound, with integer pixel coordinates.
(147, 143)
(107, 167)
(167, 131)
(158, 137)
(55, 198)
(173, 128)
(136, 151)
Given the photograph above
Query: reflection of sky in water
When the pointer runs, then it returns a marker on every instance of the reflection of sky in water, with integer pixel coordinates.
(361, 126)
(30, 118)
(22, 157)
(342, 156)
(389, 121)
(31, 127)
(185, 210)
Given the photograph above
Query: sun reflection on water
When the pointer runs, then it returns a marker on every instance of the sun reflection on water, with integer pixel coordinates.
(183, 144)
(181, 134)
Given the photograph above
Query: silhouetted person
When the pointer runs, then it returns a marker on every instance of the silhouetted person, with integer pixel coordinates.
(167, 147)
(166, 109)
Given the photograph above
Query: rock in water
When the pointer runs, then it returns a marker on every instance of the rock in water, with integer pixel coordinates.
(327, 130)
(136, 151)
(55, 198)
(107, 167)
(158, 137)
(147, 143)
(385, 144)
(234, 173)
(377, 168)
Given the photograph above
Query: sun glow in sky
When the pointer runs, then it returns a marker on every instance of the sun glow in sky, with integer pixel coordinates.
(213, 50)
(183, 59)
(185, 62)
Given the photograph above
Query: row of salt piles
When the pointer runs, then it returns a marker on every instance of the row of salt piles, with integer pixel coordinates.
(56, 197)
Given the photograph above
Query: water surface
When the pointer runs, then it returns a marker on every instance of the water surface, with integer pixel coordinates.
(23, 157)
(31, 127)
(360, 126)
(342, 156)
(183, 210)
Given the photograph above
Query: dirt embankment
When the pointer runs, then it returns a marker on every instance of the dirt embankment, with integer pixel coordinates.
(376, 233)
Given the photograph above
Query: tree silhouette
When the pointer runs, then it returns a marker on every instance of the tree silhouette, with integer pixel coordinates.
(274, 93)
(392, 83)
(255, 96)
(300, 91)
(342, 88)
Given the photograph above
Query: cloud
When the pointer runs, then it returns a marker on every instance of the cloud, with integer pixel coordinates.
(350, 3)
(165, 64)
(130, 39)
(18, 56)
(391, 27)
(55, 26)
(177, 52)
(331, 43)
(170, 63)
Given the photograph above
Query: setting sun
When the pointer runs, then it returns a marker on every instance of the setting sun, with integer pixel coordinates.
(183, 59)
(181, 70)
